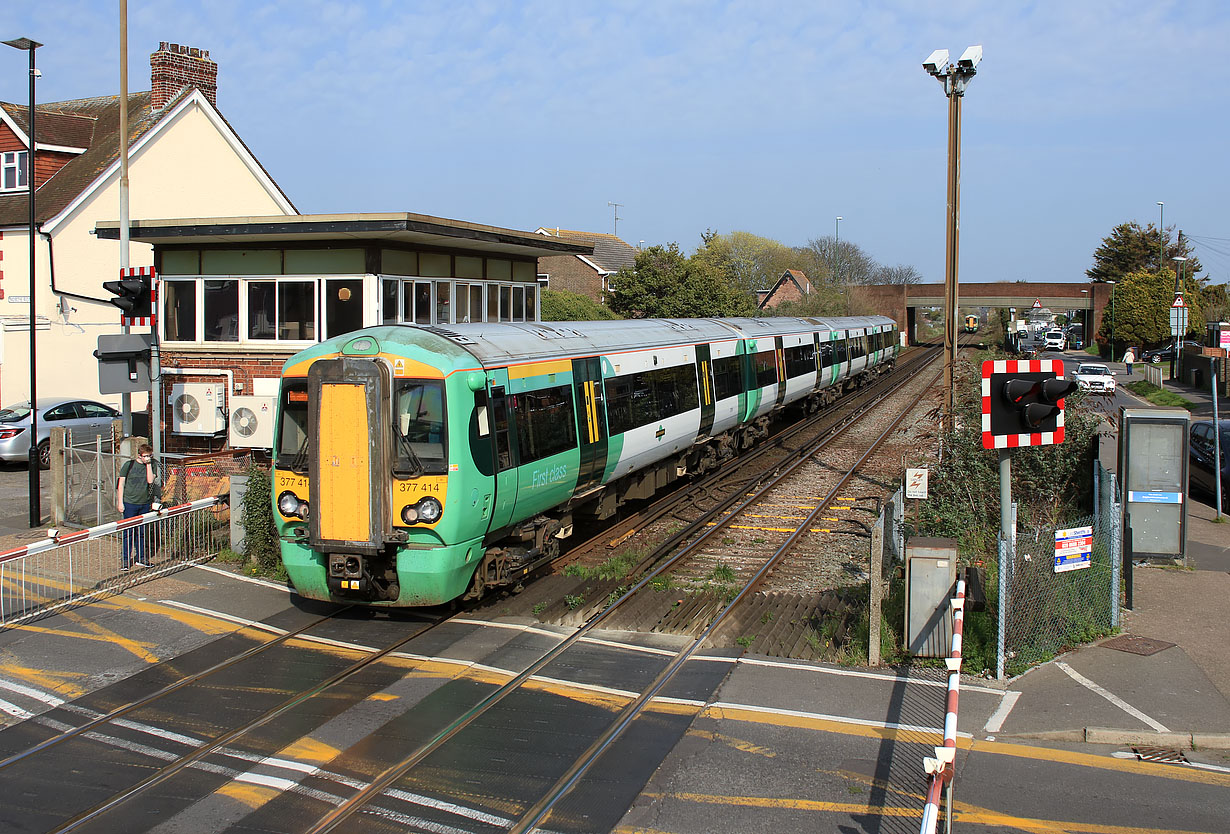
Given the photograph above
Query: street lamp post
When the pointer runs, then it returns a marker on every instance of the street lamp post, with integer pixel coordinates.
(36, 512)
(955, 78)
(837, 258)
(1177, 336)
(1161, 234)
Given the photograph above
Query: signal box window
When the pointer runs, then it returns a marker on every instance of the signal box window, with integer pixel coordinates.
(221, 311)
(546, 423)
(179, 311)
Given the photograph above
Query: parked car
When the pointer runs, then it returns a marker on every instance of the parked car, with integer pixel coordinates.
(86, 420)
(1164, 353)
(1201, 458)
(1095, 378)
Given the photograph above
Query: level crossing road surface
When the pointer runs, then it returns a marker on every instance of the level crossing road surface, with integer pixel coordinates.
(746, 744)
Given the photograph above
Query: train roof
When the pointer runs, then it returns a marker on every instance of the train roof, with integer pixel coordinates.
(498, 343)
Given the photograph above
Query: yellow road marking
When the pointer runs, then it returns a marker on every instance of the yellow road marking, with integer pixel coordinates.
(964, 814)
(730, 741)
(134, 647)
(45, 679)
(253, 796)
(311, 750)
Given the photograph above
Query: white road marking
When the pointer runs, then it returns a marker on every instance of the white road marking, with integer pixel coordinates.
(277, 586)
(838, 719)
(1110, 696)
(996, 722)
(851, 673)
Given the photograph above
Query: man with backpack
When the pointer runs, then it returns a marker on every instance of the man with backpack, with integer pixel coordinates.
(135, 494)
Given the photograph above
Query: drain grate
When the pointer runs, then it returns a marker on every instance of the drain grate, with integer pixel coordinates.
(1136, 645)
(1159, 754)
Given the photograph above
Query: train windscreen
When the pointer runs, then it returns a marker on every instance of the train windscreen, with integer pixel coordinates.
(419, 441)
(293, 428)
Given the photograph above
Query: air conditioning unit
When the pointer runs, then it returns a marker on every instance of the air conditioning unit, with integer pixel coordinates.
(196, 408)
(252, 422)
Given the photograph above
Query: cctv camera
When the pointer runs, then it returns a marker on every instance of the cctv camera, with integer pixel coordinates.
(970, 57)
(936, 61)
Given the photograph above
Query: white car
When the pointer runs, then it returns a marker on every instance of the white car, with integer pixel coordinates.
(1056, 340)
(1095, 378)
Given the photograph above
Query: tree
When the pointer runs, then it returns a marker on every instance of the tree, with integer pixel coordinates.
(899, 274)
(1141, 309)
(845, 260)
(665, 284)
(561, 305)
(752, 262)
(1132, 248)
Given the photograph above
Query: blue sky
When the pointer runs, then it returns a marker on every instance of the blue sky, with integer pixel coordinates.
(763, 116)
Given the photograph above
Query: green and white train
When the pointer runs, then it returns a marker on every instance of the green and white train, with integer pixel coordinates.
(416, 465)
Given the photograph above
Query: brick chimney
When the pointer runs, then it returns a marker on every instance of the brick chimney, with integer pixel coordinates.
(174, 67)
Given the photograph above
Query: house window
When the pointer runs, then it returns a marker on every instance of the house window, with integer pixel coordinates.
(13, 171)
(544, 280)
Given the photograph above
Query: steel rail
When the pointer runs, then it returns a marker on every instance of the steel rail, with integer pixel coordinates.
(120, 712)
(159, 776)
(582, 765)
(386, 778)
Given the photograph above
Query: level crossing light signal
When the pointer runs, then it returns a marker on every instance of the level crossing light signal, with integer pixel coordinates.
(134, 295)
(1022, 402)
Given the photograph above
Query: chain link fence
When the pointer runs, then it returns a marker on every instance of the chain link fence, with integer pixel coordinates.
(1043, 612)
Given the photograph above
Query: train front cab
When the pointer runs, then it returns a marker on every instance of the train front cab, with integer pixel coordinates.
(376, 525)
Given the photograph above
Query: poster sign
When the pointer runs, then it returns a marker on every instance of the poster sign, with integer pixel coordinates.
(916, 483)
(1073, 547)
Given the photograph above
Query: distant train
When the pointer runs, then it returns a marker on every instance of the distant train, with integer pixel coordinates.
(415, 465)
(971, 324)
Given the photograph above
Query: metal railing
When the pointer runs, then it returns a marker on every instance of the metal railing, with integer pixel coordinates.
(78, 567)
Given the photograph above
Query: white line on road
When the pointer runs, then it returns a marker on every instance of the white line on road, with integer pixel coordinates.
(1110, 696)
(996, 722)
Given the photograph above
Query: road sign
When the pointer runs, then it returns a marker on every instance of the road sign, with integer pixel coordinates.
(1178, 319)
(916, 483)
(1073, 547)
(1037, 303)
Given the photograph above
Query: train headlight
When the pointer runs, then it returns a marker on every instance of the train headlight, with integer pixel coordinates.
(429, 510)
(426, 511)
(291, 506)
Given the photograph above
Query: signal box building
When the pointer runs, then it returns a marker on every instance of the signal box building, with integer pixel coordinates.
(238, 296)
(183, 158)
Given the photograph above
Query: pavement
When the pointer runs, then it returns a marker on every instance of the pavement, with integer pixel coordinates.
(1178, 695)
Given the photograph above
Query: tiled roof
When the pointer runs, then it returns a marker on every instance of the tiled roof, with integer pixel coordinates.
(93, 123)
(610, 253)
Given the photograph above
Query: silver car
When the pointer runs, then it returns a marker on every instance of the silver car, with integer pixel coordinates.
(85, 419)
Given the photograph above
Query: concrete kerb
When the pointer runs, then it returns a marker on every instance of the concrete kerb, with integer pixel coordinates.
(1144, 738)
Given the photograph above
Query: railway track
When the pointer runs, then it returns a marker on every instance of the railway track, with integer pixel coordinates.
(189, 739)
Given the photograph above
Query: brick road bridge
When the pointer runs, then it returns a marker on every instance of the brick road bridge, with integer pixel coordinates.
(901, 301)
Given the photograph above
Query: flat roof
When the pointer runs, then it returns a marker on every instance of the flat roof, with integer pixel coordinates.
(397, 227)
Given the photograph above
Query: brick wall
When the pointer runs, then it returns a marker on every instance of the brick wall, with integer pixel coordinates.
(174, 67)
(570, 273)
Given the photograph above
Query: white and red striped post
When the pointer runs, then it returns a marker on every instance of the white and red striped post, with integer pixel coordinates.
(942, 767)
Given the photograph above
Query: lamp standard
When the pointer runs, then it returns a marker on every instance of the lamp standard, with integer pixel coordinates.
(837, 256)
(955, 78)
(1178, 282)
(1112, 320)
(1161, 233)
(36, 512)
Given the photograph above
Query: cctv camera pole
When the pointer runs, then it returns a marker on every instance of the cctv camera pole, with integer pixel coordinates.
(1005, 553)
(125, 398)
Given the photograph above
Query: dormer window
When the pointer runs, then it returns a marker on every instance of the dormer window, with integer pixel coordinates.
(13, 170)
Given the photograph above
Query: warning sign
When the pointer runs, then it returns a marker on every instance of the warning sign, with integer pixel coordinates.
(916, 483)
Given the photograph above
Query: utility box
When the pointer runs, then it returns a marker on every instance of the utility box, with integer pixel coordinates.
(930, 576)
(1153, 458)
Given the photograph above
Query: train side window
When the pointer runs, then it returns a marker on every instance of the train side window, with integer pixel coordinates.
(841, 351)
(826, 354)
(800, 360)
(765, 368)
(499, 410)
(727, 381)
(546, 423)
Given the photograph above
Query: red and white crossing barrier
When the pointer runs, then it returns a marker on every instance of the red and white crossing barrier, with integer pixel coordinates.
(941, 768)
